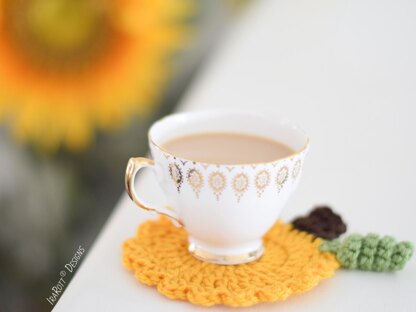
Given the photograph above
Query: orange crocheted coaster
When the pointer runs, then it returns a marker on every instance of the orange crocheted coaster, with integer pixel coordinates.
(291, 264)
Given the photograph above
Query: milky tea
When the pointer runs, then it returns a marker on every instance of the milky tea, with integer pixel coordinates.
(227, 148)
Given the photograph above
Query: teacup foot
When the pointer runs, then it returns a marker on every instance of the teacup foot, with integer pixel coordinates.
(248, 253)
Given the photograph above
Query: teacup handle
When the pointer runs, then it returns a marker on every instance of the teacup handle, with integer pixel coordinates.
(133, 166)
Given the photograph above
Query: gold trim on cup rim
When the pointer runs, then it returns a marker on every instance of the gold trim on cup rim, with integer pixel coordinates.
(232, 112)
(165, 151)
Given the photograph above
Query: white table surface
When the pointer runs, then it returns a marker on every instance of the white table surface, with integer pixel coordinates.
(343, 70)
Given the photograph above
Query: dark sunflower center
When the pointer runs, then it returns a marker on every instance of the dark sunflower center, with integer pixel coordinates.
(62, 24)
(58, 33)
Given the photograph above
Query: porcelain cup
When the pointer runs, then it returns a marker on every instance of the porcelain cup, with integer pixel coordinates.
(226, 209)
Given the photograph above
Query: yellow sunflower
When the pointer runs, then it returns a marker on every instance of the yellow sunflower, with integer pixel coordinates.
(68, 67)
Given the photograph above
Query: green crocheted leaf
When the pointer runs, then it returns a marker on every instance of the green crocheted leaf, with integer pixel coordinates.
(370, 252)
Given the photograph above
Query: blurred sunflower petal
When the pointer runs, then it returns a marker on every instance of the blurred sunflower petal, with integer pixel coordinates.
(71, 67)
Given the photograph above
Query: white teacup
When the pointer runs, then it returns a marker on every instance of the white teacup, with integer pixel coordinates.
(226, 209)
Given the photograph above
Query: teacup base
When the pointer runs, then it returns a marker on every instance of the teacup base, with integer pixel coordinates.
(230, 256)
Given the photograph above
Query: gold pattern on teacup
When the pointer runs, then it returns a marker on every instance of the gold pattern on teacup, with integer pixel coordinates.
(262, 179)
(240, 185)
(205, 165)
(229, 168)
(296, 169)
(217, 182)
(195, 180)
(281, 177)
(175, 173)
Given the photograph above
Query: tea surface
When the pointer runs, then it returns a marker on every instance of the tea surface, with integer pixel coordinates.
(227, 148)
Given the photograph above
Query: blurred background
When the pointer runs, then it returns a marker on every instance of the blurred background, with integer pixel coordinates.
(80, 83)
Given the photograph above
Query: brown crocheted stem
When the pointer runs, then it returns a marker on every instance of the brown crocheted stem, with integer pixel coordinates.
(321, 222)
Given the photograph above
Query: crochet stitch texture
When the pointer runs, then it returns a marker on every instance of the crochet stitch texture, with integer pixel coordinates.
(292, 264)
(370, 252)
